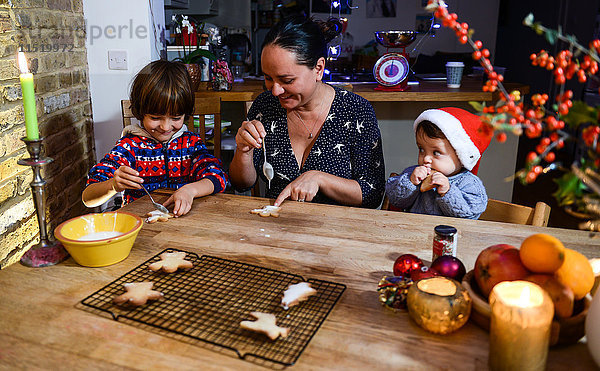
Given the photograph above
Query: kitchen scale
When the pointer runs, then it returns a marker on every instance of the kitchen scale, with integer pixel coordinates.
(391, 70)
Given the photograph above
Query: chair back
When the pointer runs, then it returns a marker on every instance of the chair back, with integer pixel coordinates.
(208, 106)
(501, 211)
(126, 112)
(386, 201)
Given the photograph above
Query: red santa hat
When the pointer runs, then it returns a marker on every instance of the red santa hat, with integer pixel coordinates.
(466, 133)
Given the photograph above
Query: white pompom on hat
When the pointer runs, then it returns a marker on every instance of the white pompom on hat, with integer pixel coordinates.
(466, 133)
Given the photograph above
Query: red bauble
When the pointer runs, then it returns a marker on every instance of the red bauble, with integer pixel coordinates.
(406, 263)
(423, 272)
(449, 266)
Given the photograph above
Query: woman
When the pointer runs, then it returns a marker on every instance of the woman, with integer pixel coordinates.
(323, 142)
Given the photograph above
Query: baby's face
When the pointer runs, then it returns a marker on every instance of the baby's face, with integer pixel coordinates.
(162, 128)
(437, 154)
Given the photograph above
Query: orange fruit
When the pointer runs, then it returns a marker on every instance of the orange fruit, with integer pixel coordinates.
(542, 253)
(576, 273)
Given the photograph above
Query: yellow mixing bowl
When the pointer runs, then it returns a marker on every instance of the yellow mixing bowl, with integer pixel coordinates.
(110, 237)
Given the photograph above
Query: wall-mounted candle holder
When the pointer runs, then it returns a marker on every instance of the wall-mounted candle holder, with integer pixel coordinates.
(45, 252)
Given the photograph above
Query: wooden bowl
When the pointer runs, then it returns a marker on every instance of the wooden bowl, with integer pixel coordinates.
(564, 331)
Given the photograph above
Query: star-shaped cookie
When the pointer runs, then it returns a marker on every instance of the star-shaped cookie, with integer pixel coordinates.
(137, 293)
(157, 216)
(171, 262)
(296, 294)
(268, 210)
(265, 323)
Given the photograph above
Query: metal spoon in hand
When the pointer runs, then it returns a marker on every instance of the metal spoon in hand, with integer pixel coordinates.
(267, 167)
(158, 206)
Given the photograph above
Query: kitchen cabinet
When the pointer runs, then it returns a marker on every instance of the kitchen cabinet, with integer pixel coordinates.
(176, 4)
(201, 7)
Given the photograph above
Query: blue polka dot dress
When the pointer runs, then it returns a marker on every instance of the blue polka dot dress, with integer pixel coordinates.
(348, 146)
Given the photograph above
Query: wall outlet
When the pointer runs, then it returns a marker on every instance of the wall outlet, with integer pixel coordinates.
(117, 59)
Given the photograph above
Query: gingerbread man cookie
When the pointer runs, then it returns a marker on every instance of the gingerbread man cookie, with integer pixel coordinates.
(171, 262)
(426, 183)
(296, 294)
(137, 293)
(265, 323)
(157, 216)
(268, 210)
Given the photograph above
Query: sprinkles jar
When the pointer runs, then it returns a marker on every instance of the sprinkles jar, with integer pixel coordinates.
(444, 241)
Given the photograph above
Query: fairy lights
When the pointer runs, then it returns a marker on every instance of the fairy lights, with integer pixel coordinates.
(334, 47)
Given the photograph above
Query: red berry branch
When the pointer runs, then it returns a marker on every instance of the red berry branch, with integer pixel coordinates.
(540, 118)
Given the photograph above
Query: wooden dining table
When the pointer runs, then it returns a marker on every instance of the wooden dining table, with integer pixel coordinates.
(43, 326)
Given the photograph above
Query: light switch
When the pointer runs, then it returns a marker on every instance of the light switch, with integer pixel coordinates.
(117, 59)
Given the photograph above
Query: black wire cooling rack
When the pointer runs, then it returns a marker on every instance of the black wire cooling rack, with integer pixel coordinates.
(208, 302)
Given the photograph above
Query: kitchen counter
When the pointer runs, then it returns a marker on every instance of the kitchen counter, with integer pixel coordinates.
(426, 91)
(42, 324)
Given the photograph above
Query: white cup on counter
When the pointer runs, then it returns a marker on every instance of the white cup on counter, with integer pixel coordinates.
(454, 72)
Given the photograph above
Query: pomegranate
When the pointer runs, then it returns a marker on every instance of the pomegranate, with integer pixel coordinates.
(498, 263)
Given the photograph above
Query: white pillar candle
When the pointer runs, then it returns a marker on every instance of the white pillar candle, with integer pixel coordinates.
(520, 328)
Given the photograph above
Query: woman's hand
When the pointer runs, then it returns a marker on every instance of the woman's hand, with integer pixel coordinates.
(182, 199)
(249, 135)
(303, 188)
(418, 174)
(126, 178)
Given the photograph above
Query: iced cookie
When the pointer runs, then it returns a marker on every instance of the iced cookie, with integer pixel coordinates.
(265, 323)
(171, 262)
(296, 293)
(157, 216)
(268, 210)
(137, 293)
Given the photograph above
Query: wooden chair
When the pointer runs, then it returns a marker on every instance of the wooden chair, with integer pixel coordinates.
(501, 211)
(506, 212)
(126, 112)
(386, 201)
(208, 106)
(255, 192)
(202, 106)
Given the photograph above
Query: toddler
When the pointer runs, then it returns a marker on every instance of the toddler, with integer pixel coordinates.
(160, 153)
(450, 142)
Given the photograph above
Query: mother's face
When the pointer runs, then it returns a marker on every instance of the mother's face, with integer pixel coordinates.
(293, 84)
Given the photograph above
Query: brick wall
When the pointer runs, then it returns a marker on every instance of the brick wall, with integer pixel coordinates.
(52, 34)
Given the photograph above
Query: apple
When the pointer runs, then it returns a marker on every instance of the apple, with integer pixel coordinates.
(498, 263)
(561, 295)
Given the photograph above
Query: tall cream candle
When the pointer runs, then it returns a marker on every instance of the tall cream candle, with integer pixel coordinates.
(520, 329)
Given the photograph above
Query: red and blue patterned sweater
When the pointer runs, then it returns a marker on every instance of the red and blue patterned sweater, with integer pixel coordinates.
(186, 156)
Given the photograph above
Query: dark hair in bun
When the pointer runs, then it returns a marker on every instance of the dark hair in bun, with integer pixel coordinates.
(305, 37)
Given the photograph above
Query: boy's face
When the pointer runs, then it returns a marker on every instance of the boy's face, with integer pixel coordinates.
(162, 128)
(437, 154)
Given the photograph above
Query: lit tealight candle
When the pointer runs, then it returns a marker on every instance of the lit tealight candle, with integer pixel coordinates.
(520, 328)
(26, 77)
